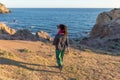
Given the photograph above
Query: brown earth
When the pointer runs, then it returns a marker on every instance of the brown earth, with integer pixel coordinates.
(35, 60)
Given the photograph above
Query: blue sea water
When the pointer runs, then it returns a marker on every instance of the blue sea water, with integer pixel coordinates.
(79, 20)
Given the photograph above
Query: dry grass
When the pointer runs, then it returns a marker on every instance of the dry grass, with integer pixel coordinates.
(34, 63)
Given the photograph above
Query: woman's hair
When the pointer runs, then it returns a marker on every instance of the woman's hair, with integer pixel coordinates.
(63, 28)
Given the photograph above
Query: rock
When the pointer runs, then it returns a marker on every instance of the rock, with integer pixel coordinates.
(103, 18)
(105, 35)
(5, 36)
(4, 29)
(107, 24)
(99, 31)
(24, 35)
(3, 9)
(43, 35)
(110, 29)
(108, 16)
(115, 13)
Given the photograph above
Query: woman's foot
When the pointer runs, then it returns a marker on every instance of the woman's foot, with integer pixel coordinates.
(60, 67)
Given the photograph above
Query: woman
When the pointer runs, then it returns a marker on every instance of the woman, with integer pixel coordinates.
(61, 43)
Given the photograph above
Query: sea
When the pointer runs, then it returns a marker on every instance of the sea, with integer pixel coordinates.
(79, 21)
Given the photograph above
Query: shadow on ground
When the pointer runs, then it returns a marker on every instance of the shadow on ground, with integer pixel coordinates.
(6, 61)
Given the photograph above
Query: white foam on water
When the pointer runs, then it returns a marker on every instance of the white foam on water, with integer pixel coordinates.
(32, 26)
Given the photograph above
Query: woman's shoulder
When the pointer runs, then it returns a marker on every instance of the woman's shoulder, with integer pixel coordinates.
(61, 35)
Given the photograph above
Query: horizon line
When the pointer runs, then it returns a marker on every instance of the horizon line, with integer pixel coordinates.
(60, 7)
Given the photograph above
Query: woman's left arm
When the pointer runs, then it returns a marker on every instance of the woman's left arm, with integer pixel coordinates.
(67, 43)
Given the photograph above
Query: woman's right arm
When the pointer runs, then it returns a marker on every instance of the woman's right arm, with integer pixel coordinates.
(55, 41)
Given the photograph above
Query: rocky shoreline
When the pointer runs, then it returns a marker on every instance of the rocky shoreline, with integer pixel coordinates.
(7, 33)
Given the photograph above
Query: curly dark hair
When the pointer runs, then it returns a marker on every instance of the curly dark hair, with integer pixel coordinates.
(63, 28)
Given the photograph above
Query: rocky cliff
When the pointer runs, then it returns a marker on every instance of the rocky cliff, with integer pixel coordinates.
(105, 34)
(3, 9)
(107, 23)
(105, 17)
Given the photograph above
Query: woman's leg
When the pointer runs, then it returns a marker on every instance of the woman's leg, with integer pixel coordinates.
(62, 54)
(59, 57)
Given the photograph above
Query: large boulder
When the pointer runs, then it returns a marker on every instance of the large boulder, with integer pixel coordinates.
(110, 29)
(24, 35)
(3, 9)
(105, 34)
(107, 24)
(41, 35)
(108, 16)
(4, 29)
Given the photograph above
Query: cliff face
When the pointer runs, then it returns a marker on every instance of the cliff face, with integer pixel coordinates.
(107, 24)
(108, 16)
(3, 9)
(105, 34)
(110, 29)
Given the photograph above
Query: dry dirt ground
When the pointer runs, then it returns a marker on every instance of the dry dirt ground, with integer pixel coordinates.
(35, 60)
